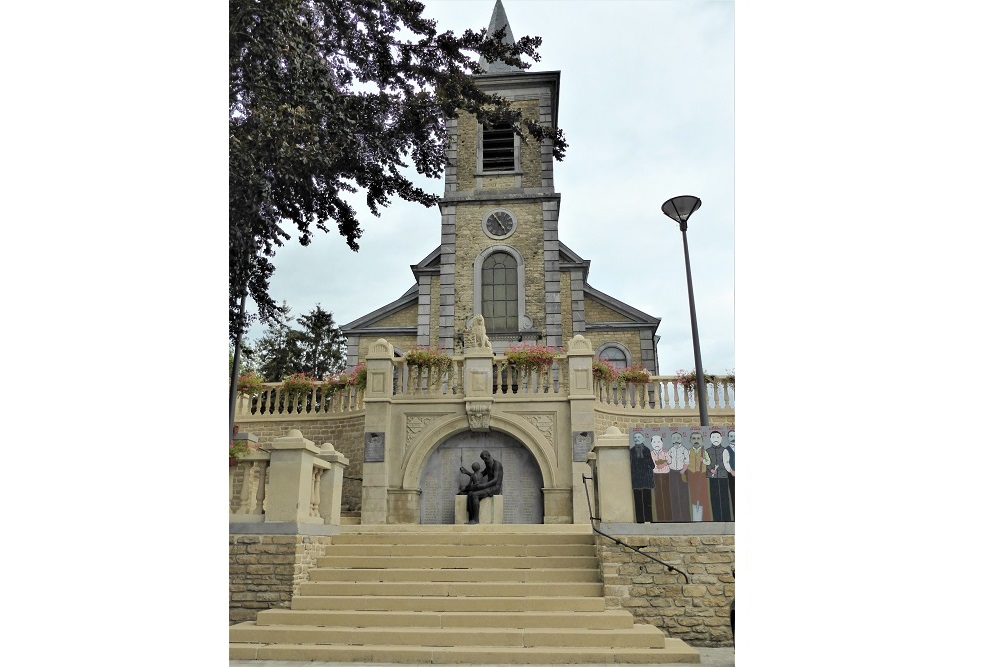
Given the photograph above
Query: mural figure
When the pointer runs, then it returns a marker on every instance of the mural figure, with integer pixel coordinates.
(718, 479)
(677, 479)
(475, 477)
(661, 492)
(642, 478)
(491, 485)
(729, 461)
(698, 463)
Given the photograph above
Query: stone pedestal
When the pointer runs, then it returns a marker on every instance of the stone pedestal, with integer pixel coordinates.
(490, 509)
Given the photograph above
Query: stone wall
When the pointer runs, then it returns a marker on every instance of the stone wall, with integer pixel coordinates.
(396, 340)
(624, 421)
(527, 240)
(346, 434)
(598, 312)
(698, 612)
(468, 139)
(407, 317)
(265, 571)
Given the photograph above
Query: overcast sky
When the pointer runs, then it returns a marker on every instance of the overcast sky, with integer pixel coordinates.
(646, 103)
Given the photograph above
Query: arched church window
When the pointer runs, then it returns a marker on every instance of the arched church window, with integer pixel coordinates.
(499, 289)
(614, 355)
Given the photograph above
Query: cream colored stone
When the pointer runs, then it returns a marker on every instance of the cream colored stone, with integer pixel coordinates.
(490, 510)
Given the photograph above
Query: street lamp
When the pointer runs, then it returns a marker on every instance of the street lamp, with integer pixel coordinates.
(680, 209)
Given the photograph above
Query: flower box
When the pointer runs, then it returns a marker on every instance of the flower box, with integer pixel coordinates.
(297, 383)
(249, 383)
(530, 357)
(633, 375)
(427, 357)
(604, 371)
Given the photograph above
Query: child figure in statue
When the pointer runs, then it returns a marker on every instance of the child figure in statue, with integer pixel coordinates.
(475, 477)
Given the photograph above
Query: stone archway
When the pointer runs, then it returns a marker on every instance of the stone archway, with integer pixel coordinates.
(440, 479)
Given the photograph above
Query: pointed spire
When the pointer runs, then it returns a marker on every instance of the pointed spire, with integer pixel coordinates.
(498, 21)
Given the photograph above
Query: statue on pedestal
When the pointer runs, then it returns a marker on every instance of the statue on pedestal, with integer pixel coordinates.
(490, 484)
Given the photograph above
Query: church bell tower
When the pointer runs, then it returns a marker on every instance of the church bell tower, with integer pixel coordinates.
(499, 254)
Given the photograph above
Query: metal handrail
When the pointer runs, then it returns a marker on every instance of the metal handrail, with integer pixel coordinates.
(619, 542)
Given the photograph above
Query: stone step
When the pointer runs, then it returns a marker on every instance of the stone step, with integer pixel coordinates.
(463, 562)
(472, 539)
(601, 620)
(673, 651)
(460, 550)
(465, 530)
(495, 575)
(451, 588)
(431, 603)
(637, 636)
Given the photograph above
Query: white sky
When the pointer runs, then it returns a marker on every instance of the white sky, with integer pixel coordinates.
(646, 120)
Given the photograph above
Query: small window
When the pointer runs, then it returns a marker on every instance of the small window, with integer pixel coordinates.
(498, 148)
(615, 356)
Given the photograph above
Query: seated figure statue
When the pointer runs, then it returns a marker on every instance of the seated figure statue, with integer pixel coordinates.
(490, 485)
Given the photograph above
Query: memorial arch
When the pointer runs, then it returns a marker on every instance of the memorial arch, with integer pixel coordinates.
(440, 479)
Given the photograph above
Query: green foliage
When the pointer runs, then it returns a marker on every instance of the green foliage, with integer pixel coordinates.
(240, 448)
(250, 383)
(428, 357)
(604, 371)
(529, 357)
(327, 97)
(635, 374)
(321, 342)
(316, 349)
(298, 383)
(339, 381)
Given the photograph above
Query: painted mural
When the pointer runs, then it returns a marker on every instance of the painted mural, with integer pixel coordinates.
(683, 473)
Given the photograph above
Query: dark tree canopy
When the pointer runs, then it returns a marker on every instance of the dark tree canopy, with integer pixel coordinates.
(317, 348)
(327, 97)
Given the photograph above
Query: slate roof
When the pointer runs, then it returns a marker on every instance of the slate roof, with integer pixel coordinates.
(497, 22)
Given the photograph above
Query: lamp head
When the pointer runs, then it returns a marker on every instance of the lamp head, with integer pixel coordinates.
(680, 208)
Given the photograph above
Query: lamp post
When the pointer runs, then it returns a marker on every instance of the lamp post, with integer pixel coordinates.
(680, 209)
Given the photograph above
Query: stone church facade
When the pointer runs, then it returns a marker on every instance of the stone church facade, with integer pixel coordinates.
(406, 434)
(500, 253)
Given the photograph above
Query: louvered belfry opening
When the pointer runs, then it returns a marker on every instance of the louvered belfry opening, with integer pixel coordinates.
(498, 147)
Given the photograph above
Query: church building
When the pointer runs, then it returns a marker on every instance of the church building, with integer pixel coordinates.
(500, 255)
(357, 507)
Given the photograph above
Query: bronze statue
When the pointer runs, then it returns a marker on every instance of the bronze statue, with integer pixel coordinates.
(490, 484)
(475, 477)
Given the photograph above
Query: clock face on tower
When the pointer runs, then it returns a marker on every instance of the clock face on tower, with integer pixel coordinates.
(499, 224)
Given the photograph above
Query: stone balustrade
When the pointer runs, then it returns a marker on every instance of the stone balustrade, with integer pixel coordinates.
(665, 392)
(293, 482)
(275, 401)
(413, 381)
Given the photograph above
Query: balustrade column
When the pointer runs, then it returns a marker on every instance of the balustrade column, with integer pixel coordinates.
(293, 459)
(614, 477)
(382, 451)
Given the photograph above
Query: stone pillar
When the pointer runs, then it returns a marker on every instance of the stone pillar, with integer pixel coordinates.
(479, 387)
(290, 486)
(581, 513)
(558, 504)
(331, 489)
(378, 454)
(580, 356)
(614, 478)
(404, 506)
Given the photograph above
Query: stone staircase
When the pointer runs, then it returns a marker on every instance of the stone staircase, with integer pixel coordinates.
(483, 594)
